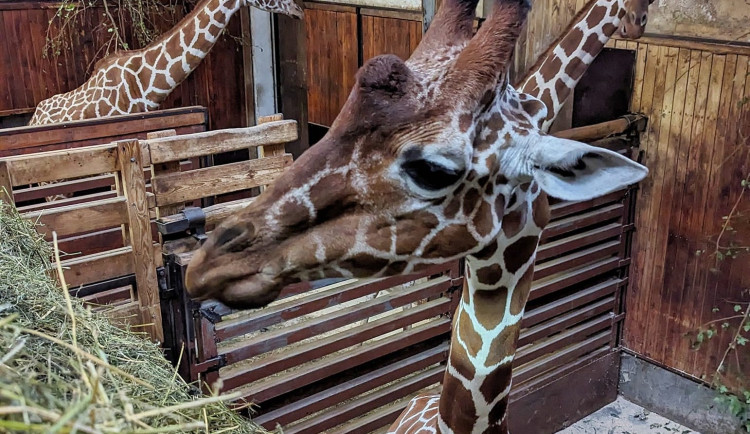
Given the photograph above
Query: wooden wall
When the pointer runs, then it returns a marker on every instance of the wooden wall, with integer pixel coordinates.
(339, 40)
(27, 76)
(696, 147)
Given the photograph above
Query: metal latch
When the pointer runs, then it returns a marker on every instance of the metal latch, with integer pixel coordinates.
(196, 222)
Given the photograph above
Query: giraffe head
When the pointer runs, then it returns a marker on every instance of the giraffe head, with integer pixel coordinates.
(417, 169)
(636, 16)
(284, 7)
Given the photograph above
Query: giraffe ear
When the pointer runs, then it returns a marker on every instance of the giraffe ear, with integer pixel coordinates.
(576, 171)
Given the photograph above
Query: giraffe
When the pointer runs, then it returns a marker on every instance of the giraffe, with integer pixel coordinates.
(139, 80)
(430, 160)
(557, 72)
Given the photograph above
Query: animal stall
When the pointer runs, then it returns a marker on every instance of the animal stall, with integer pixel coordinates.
(346, 356)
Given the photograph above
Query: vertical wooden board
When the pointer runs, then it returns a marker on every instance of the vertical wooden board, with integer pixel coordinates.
(139, 230)
(293, 73)
(6, 100)
(710, 282)
(332, 63)
(676, 245)
(640, 73)
(20, 65)
(388, 36)
(670, 197)
(6, 187)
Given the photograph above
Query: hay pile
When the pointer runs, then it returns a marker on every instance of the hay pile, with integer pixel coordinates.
(65, 369)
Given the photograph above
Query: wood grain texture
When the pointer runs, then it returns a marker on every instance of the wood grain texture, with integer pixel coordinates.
(58, 165)
(29, 74)
(382, 35)
(74, 219)
(6, 186)
(213, 142)
(210, 181)
(139, 231)
(692, 96)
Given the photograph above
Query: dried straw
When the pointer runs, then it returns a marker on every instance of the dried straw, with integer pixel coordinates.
(65, 369)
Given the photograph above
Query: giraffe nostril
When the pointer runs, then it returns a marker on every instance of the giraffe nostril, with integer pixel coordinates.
(644, 20)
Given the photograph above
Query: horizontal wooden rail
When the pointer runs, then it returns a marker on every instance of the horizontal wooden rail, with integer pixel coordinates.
(350, 389)
(56, 165)
(573, 301)
(364, 405)
(571, 277)
(188, 146)
(577, 259)
(551, 249)
(580, 221)
(604, 129)
(246, 348)
(559, 324)
(211, 181)
(561, 340)
(267, 366)
(278, 385)
(526, 384)
(98, 267)
(74, 219)
(565, 208)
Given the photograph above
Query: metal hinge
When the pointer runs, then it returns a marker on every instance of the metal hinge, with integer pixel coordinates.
(165, 291)
(192, 222)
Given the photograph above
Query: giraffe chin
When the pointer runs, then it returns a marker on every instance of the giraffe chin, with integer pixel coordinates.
(251, 293)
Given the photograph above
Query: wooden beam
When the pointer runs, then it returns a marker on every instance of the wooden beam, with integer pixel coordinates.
(212, 181)
(75, 219)
(163, 169)
(56, 165)
(213, 142)
(6, 187)
(247, 68)
(292, 55)
(139, 231)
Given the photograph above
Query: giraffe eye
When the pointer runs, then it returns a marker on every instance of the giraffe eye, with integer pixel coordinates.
(430, 175)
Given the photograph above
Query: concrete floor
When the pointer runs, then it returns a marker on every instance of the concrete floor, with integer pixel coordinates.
(624, 417)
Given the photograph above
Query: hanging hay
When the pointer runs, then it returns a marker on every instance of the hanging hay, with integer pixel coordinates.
(66, 369)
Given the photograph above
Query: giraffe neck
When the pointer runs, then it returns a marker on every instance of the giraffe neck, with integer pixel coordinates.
(557, 72)
(477, 381)
(165, 63)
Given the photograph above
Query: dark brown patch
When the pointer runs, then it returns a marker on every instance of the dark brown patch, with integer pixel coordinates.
(471, 198)
(363, 263)
(453, 240)
(396, 268)
(513, 222)
(521, 291)
(466, 333)
(459, 411)
(501, 180)
(379, 236)
(519, 252)
(592, 43)
(483, 144)
(460, 361)
(574, 67)
(490, 275)
(483, 221)
(411, 230)
(540, 210)
(561, 88)
(487, 98)
(609, 28)
(596, 16)
(547, 100)
(500, 205)
(293, 214)
(491, 164)
(464, 121)
(489, 189)
(490, 304)
(575, 38)
(487, 252)
(496, 382)
(614, 9)
(496, 122)
(453, 207)
(504, 344)
(496, 416)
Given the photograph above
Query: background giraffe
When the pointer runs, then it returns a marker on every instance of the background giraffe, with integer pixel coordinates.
(430, 160)
(139, 80)
(557, 72)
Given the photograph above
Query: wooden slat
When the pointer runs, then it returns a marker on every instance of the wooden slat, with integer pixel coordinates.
(98, 267)
(6, 186)
(577, 222)
(317, 370)
(75, 219)
(285, 310)
(139, 231)
(211, 181)
(579, 258)
(56, 165)
(568, 337)
(570, 302)
(537, 333)
(361, 406)
(557, 247)
(214, 142)
(352, 388)
(562, 280)
(270, 341)
(235, 377)
(565, 208)
(64, 187)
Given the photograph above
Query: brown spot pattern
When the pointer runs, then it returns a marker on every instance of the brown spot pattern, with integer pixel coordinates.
(575, 38)
(468, 335)
(519, 252)
(460, 413)
(464, 122)
(489, 305)
(461, 241)
(411, 230)
(596, 16)
(471, 199)
(513, 222)
(483, 221)
(490, 275)
(540, 210)
(496, 382)
(487, 252)
(504, 344)
(521, 291)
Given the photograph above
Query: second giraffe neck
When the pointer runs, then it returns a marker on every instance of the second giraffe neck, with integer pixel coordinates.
(476, 385)
(557, 72)
(169, 60)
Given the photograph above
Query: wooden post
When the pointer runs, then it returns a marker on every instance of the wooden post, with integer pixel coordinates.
(247, 67)
(163, 169)
(292, 53)
(6, 186)
(133, 185)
